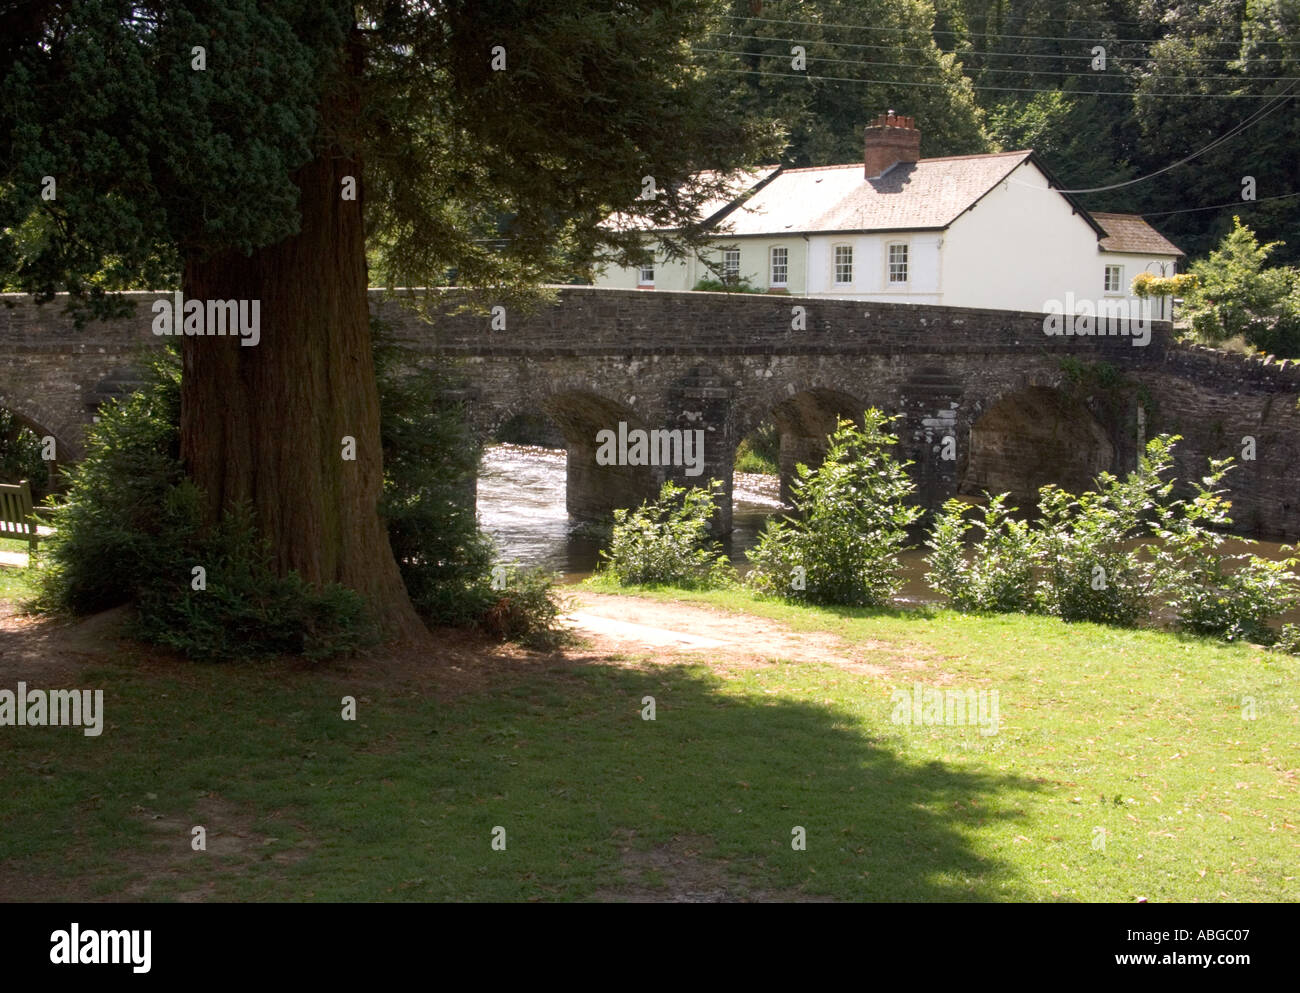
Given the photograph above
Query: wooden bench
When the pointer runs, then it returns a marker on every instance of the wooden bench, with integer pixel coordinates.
(16, 519)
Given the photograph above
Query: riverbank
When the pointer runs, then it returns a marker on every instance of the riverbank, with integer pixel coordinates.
(1091, 764)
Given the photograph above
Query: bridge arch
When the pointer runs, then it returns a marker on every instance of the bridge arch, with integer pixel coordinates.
(1030, 435)
(804, 419)
(592, 490)
(32, 415)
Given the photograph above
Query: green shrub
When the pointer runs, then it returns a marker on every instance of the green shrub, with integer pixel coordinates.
(245, 610)
(726, 286)
(430, 462)
(1288, 639)
(761, 451)
(527, 609)
(431, 459)
(20, 456)
(668, 542)
(1093, 567)
(1234, 597)
(996, 573)
(851, 524)
(130, 531)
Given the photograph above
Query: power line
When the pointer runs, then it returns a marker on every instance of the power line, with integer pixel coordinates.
(973, 34)
(1220, 206)
(1031, 72)
(998, 89)
(1249, 122)
(1120, 59)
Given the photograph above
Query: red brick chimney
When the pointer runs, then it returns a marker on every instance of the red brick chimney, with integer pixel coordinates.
(890, 138)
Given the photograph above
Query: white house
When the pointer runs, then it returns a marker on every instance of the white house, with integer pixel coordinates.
(968, 231)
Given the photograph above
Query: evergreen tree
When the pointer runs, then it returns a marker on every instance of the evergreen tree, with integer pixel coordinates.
(215, 146)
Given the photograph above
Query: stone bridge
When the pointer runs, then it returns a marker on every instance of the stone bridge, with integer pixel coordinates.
(985, 399)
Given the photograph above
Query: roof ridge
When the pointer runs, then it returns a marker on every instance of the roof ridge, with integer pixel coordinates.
(936, 158)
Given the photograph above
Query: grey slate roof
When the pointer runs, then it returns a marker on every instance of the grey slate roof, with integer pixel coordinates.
(930, 193)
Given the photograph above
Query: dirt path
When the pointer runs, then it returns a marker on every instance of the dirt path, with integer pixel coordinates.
(623, 624)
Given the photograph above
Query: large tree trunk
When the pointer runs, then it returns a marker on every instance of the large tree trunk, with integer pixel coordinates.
(265, 424)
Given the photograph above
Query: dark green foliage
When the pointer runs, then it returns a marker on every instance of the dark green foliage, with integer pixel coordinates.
(667, 541)
(20, 456)
(851, 522)
(130, 532)
(726, 286)
(431, 459)
(245, 610)
(430, 462)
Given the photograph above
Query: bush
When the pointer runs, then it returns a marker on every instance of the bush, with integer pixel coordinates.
(998, 575)
(761, 451)
(1233, 597)
(430, 463)
(668, 542)
(1288, 639)
(726, 286)
(527, 610)
(851, 524)
(20, 456)
(130, 532)
(1094, 568)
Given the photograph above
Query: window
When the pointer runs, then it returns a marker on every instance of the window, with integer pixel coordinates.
(898, 263)
(843, 264)
(646, 276)
(731, 265)
(780, 266)
(1114, 279)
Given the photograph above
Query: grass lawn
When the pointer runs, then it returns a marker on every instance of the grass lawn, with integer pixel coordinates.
(1122, 768)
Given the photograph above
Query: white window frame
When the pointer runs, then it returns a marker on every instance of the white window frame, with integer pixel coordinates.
(771, 267)
(1119, 280)
(730, 273)
(889, 263)
(837, 264)
(641, 279)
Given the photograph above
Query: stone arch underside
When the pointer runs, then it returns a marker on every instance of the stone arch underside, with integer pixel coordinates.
(805, 421)
(1032, 437)
(592, 490)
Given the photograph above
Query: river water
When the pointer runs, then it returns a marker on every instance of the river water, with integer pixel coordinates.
(521, 504)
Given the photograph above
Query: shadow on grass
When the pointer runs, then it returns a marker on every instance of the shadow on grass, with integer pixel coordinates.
(401, 804)
(744, 770)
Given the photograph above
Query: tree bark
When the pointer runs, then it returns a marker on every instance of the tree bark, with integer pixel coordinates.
(265, 424)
